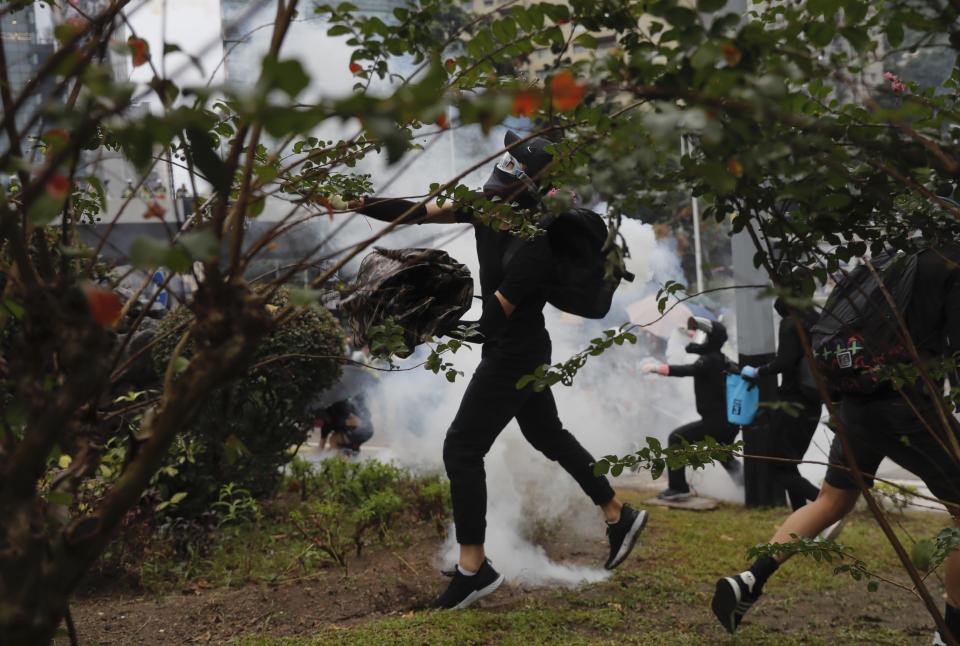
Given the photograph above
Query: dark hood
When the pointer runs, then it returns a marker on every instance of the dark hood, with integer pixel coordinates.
(534, 156)
(716, 336)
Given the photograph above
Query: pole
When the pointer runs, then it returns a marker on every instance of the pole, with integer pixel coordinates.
(695, 206)
(756, 346)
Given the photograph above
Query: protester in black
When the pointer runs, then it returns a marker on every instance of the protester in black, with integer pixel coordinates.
(901, 424)
(346, 424)
(794, 431)
(709, 387)
(516, 343)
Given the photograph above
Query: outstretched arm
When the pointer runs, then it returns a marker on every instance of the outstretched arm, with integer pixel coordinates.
(388, 209)
(689, 370)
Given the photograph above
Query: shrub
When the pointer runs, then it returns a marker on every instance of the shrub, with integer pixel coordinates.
(352, 501)
(245, 431)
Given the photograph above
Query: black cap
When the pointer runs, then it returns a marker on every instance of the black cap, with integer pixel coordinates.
(532, 153)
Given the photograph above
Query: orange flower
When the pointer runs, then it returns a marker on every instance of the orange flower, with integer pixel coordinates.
(355, 68)
(734, 167)
(526, 102)
(58, 187)
(154, 210)
(105, 306)
(442, 121)
(325, 203)
(732, 54)
(566, 92)
(139, 50)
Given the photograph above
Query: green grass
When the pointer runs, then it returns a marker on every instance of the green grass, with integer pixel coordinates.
(662, 595)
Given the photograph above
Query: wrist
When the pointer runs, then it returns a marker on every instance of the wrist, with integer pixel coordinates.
(663, 370)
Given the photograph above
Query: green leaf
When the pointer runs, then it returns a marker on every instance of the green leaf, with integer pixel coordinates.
(178, 497)
(14, 308)
(44, 210)
(894, 32)
(858, 38)
(180, 364)
(202, 245)
(922, 554)
(586, 40)
(287, 76)
(873, 586)
(821, 33)
(150, 253)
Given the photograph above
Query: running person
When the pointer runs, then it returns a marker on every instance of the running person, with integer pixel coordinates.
(709, 387)
(902, 425)
(516, 343)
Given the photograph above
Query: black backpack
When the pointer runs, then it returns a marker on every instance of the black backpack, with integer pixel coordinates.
(858, 333)
(578, 240)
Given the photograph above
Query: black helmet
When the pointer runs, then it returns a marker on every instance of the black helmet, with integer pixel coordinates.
(518, 171)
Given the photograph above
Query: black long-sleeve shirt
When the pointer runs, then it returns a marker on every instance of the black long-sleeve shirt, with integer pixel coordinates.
(522, 281)
(709, 384)
(788, 359)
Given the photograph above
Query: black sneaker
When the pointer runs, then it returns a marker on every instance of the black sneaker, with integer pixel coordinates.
(623, 534)
(673, 494)
(733, 597)
(463, 591)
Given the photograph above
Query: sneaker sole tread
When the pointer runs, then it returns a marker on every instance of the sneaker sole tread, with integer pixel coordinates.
(476, 595)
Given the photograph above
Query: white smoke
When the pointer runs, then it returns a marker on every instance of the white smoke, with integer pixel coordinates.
(611, 408)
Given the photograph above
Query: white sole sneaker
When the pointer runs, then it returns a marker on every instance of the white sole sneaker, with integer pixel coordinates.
(633, 534)
(476, 595)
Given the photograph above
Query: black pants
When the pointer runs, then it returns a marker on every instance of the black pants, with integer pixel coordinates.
(489, 403)
(695, 432)
(793, 438)
(891, 428)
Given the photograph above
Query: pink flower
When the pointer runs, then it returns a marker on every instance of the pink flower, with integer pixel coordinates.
(896, 85)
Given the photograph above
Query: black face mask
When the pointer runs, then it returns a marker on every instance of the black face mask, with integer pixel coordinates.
(506, 187)
(503, 185)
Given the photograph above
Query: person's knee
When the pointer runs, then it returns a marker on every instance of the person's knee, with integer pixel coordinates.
(836, 502)
(555, 445)
(458, 453)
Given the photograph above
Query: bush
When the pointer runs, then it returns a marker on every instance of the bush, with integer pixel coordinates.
(351, 501)
(244, 433)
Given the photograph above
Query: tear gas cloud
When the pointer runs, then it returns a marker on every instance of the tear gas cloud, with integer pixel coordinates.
(611, 408)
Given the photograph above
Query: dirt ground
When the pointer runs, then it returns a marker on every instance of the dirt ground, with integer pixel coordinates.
(399, 581)
(380, 583)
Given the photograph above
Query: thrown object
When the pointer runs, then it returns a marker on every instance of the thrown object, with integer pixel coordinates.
(424, 291)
